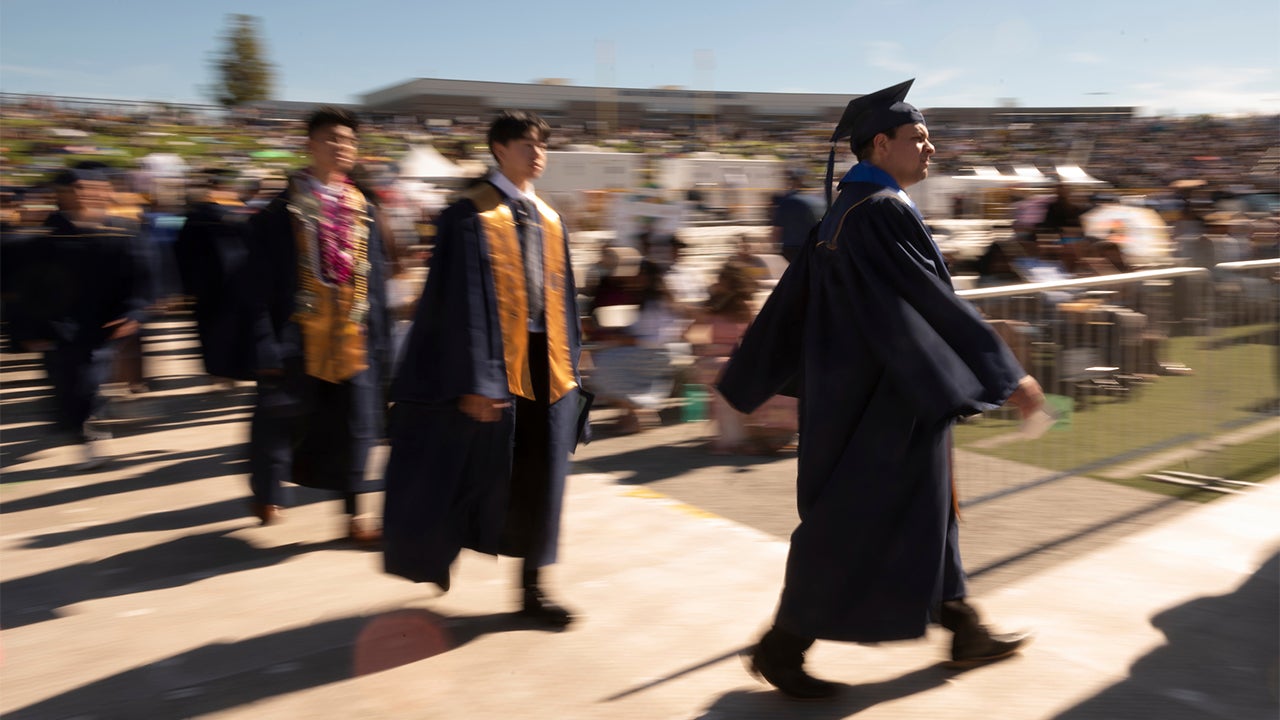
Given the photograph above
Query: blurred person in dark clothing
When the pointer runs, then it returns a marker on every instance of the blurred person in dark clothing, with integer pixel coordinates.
(794, 216)
(488, 400)
(81, 291)
(320, 328)
(212, 255)
(1062, 213)
(123, 212)
(866, 328)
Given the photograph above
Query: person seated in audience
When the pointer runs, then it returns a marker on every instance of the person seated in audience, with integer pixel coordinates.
(633, 366)
(715, 334)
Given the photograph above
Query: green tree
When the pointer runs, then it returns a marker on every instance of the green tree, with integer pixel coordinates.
(242, 73)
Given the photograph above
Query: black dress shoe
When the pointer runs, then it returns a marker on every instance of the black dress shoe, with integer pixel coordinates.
(987, 647)
(543, 611)
(776, 662)
(973, 643)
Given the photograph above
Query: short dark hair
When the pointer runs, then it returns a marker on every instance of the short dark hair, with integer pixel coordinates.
(328, 116)
(515, 124)
(864, 151)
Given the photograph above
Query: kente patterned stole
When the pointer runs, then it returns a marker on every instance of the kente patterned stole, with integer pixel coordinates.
(509, 287)
(332, 317)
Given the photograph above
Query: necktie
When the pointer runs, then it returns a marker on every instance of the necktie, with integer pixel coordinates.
(529, 227)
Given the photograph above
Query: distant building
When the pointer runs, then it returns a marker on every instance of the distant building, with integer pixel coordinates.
(426, 99)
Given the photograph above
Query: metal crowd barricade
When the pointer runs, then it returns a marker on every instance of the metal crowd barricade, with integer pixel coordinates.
(1168, 375)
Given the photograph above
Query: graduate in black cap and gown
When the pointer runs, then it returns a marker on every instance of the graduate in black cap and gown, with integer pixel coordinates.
(83, 290)
(212, 254)
(865, 328)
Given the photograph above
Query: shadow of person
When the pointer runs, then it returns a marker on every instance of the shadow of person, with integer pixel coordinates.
(1220, 660)
(849, 700)
(181, 467)
(36, 598)
(167, 520)
(645, 465)
(223, 676)
(36, 408)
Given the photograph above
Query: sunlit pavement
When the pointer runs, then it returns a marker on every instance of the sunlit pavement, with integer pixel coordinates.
(143, 589)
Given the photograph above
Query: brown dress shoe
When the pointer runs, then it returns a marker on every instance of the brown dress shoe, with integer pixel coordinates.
(267, 514)
(363, 533)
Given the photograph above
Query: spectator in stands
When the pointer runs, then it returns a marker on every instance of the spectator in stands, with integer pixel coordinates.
(1064, 212)
(794, 216)
(634, 367)
(716, 332)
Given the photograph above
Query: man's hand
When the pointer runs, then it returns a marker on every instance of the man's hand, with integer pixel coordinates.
(1028, 398)
(481, 408)
(124, 327)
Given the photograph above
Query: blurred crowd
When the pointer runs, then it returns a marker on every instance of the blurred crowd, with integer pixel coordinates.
(661, 311)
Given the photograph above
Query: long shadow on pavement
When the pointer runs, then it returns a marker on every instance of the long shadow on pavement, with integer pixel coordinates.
(849, 701)
(178, 562)
(651, 464)
(222, 676)
(1220, 660)
(178, 519)
(179, 468)
(166, 413)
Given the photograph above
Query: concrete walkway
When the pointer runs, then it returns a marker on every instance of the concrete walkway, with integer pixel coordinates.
(142, 590)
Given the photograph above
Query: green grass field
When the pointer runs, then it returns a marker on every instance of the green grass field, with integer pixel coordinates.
(1230, 389)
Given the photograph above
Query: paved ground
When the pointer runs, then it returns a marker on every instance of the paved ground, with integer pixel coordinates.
(142, 590)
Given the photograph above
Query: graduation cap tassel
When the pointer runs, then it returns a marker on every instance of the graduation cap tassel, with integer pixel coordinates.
(831, 164)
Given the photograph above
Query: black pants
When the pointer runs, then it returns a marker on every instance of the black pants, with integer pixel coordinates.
(313, 433)
(76, 371)
(525, 531)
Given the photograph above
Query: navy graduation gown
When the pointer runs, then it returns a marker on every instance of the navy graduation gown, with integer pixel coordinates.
(212, 254)
(331, 432)
(884, 356)
(448, 479)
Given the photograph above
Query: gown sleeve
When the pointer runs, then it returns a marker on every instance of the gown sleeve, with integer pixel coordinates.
(934, 346)
(769, 358)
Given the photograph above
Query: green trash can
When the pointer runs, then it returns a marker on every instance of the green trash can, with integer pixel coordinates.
(696, 399)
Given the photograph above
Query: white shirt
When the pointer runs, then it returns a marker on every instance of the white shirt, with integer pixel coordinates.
(509, 188)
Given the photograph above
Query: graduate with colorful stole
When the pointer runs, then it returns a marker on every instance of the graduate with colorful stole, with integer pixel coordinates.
(320, 325)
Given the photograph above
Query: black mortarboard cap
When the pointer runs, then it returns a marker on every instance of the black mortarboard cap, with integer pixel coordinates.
(218, 176)
(869, 115)
(71, 176)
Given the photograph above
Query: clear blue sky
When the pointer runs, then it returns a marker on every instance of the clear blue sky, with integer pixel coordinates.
(1168, 57)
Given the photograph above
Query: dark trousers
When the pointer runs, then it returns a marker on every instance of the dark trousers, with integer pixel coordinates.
(528, 509)
(128, 366)
(76, 371)
(313, 433)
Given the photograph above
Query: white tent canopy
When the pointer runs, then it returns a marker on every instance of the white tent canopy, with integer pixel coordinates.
(425, 162)
(163, 165)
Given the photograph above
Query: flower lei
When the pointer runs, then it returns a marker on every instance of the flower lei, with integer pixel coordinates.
(333, 235)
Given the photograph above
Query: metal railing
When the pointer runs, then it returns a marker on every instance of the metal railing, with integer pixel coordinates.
(1165, 374)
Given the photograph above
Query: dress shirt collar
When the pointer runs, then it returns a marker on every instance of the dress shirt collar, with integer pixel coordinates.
(508, 188)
